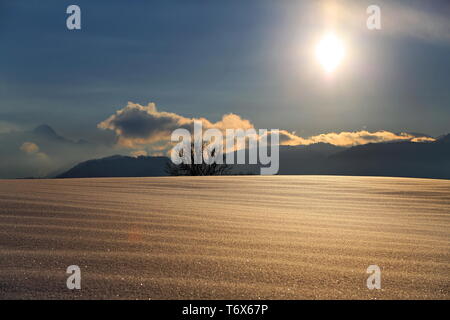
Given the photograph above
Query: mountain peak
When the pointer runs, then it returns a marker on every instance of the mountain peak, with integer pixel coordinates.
(45, 129)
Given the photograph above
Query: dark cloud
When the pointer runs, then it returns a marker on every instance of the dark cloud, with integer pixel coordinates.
(137, 125)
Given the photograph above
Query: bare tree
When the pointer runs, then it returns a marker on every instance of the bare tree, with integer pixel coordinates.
(189, 168)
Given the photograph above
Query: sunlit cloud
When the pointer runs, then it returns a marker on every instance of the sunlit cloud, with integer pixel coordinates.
(348, 139)
(137, 126)
(32, 149)
(29, 147)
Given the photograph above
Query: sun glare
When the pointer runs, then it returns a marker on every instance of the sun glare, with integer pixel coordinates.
(330, 52)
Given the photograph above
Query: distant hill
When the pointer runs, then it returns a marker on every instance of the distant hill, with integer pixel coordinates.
(444, 139)
(118, 166)
(404, 159)
(306, 159)
(396, 159)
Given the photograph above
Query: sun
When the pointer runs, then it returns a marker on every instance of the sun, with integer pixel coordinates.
(330, 52)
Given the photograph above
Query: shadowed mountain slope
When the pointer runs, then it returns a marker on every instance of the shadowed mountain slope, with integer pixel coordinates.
(397, 159)
(118, 166)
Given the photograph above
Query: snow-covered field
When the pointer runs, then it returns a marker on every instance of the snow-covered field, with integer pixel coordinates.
(243, 237)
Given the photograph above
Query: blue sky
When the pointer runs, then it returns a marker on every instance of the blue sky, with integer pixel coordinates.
(208, 58)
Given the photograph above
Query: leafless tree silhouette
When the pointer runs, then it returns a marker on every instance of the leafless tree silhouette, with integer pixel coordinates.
(190, 168)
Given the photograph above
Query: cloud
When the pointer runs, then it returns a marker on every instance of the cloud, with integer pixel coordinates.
(29, 147)
(32, 149)
(7, 127)
(137, 126)
(347, 139)
(423, 139)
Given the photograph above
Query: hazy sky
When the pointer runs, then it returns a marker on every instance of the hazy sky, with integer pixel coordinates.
(208, 58)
